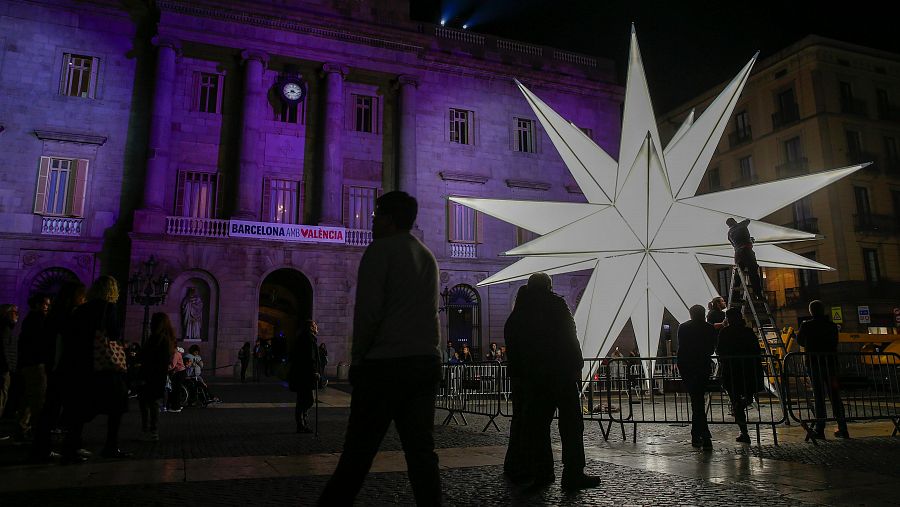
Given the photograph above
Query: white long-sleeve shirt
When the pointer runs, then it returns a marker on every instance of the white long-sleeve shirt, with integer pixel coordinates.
(396, 312)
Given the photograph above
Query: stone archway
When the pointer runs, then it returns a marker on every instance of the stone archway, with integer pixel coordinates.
(464, 318)
(285, 301)
(49, 281)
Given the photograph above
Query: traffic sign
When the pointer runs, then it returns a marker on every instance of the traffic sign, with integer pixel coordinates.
(863, 312)
(836, 315)
(897, 316)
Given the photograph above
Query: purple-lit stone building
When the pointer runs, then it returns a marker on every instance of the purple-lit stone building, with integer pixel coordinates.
(161, 129)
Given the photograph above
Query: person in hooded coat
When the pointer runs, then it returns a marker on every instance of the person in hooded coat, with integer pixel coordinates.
(739, 354)
(696, 343)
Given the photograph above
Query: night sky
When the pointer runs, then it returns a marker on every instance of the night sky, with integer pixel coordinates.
(687, 46)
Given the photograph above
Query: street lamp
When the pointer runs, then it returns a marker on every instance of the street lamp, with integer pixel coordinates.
(146, 291)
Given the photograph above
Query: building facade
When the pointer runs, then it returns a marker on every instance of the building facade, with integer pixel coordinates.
(822, 104)
(171, 130)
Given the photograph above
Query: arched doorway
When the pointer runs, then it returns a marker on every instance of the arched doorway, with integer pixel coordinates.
(285, 301)
(464, 318)
(49, 281)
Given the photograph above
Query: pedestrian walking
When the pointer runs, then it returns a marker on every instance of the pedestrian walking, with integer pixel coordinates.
(156, 354)
(552, 364)
(244, 358)
(819, 339)
(744, 257)
(741, 370)
(91, 390)
(395, 356)
(696, 343)
(9, 316)
(303, 372)
(60, 321)
(516, 463)
(716, 315)
(36, 349)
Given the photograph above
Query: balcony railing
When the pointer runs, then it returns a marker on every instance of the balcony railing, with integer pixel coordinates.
(61, 226)
(358, 237)
(805, 224)
(743, 182)
(738, 138)
(793, 168)
(875, 224)
(197, 227)
(786, 116)
(463, 250)
(853, 106)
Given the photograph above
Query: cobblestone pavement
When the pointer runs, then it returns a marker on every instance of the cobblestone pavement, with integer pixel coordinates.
(250, 455)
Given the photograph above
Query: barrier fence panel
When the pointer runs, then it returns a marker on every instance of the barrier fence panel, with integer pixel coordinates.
(471, 388)
(846, 386)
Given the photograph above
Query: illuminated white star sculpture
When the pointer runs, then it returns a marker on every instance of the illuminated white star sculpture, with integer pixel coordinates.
(643, 232)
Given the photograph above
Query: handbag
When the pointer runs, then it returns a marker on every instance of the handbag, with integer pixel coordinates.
(108, 355)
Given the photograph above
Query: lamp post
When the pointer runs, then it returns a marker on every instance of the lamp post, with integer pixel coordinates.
(146, 291)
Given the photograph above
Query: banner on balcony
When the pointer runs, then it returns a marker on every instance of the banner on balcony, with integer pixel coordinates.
(286, 232)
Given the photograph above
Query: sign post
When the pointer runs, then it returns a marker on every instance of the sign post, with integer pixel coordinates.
(837, 316)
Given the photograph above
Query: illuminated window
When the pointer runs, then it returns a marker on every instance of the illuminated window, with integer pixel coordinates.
(364, 113)
(280, 201)
(360, 206)
(79, 76)
(524, 135)
(197, 194)
(61, 186)
(464, 225)
(524, 236)
(461, 126)
(870, 262)
(208, 92)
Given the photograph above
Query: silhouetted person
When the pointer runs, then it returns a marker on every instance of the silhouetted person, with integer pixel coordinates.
(9, 315)
(819, 338)
(244, 358)
(552, 364)
(516, 464)
(696, 343)
(739, 355)
(156, 354)
(36, 349)
(304, 372)
(395, 356)
(744, 257)
(716, 315)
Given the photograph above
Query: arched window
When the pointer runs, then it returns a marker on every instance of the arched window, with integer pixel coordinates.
(49, 281)
(464, 318)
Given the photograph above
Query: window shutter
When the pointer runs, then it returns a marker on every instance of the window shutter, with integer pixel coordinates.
(267, 200)
(195, 92)
(479, 227)
(95, 74)
(64, 73)
(451, 221)
(78, 197)
(179, 195)
(217, 195)
(220, 85)
(345, 205)
(43, 180)
(513, 134)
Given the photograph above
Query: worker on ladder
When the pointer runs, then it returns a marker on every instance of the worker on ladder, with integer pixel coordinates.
(744, 258)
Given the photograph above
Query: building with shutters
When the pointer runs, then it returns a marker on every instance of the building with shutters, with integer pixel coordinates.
(163, 129)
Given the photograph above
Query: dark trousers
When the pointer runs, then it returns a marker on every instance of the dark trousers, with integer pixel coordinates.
(546, 397)
(824, 382)
(699, 427)
(178, 380)
(304, 402)
(149, 413)
(72, 441)
(745, 258)
(737, 410)
(244, 370)
(402, 391)
(49, 416)
(516, 461)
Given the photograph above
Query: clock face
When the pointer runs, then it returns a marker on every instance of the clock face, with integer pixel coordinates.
(292, 91)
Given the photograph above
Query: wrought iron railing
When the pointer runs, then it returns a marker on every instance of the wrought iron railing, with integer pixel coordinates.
(793, 168)
(875, 224)
(805, 224)
(786, 116)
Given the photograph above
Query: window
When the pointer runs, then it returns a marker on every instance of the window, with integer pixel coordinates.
(524, 236)
(890, 149)
(364, 113)
(280, 201)
(197, 194)
(61, 186)
(524, 135)
(854, 145)
(360, 206)
(861, 194)
(79, 75)
(870, 263)
(465, 225)
(715, 179)
(895, 200)
(588, 132)
(208, 92)
(793, 150)
(461, 126)
(723, 280)
(808, 277)
(786, 100)
(742, 125)
(802, 210)
(289, 113)
(846, 92)
(746, 167)
(883, 101)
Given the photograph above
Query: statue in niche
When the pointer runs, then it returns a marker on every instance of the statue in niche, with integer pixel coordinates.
(191, 314)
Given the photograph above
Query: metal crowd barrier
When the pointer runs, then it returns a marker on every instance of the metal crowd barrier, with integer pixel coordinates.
(857, 386)
(472, 388)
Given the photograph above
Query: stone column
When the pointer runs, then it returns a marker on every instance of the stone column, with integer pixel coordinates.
(249, 192)
(407, 153)
(333, 159)
(160, 125)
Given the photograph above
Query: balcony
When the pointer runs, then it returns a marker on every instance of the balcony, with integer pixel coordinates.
(740, 137)
(889, 113)
(861, 157)
(797, 167)
(61, 226)
(891, 166)
(871, 223)
(358, 237)
(463, 250)
(786, 116)
(743, 182)
(806, 224)
(197, 227)
(853, 106)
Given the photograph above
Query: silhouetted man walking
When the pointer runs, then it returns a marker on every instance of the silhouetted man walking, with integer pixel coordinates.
(696, 343)
(395, 356)
(819, 338)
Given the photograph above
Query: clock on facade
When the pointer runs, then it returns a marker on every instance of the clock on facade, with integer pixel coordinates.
(291, 89)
